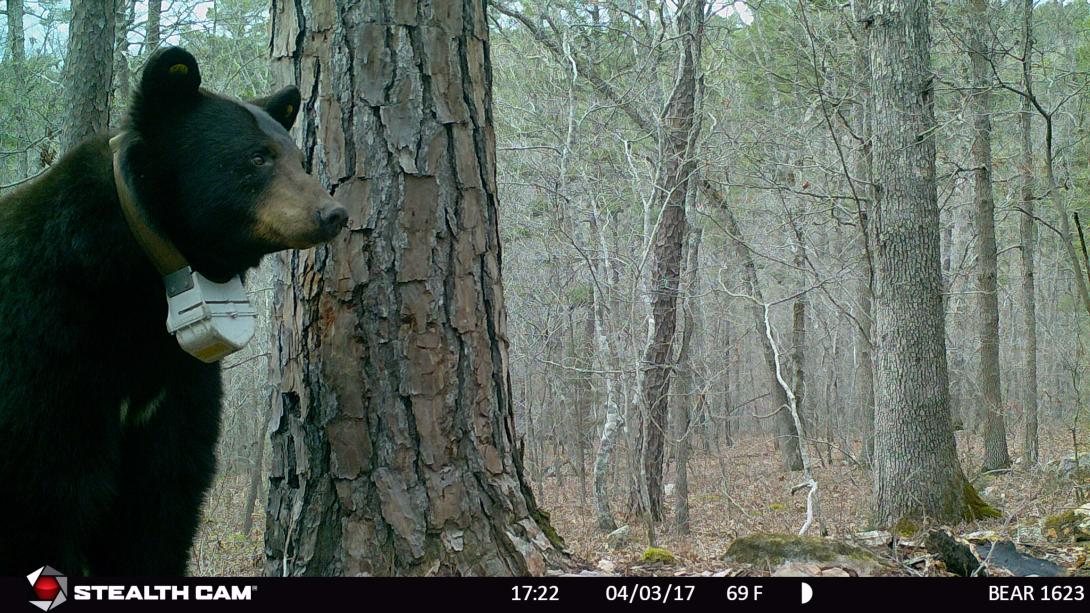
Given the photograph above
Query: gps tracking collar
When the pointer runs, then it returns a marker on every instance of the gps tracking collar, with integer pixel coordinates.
(210, 320)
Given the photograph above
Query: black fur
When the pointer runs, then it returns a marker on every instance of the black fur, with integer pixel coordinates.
(82, 333)
(283, 106)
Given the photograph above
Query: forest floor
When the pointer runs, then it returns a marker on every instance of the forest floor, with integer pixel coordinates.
(743, 492)
(746, 492)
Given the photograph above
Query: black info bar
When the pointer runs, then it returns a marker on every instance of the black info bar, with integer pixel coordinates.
(549, 593)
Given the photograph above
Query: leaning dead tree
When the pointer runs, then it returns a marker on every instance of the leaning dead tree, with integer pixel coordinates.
(790, 408)
(790, 447)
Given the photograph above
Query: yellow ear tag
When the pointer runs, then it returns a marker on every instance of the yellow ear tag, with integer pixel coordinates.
(288, 109)
(181, 69)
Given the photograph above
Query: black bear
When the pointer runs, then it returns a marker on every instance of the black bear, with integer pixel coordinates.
(107, 427)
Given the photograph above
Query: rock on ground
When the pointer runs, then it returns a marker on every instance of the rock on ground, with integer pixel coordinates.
(771, 550)
(619, 537)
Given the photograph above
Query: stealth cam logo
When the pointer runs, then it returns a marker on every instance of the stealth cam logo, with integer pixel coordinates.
(50, 586)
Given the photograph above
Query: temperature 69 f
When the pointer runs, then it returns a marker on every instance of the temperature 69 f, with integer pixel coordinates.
(744, 592)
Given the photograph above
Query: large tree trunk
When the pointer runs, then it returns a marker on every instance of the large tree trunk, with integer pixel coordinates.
(916, 464)
(394, 443)
(88, 70)
(676, 163)
(1028, 234)
(995, 428)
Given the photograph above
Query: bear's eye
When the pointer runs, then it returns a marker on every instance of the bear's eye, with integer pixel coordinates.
(258, 160)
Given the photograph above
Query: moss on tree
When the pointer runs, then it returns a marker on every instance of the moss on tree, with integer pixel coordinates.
(906, 527)
(972, 508)
(544, 521)
(976, 507)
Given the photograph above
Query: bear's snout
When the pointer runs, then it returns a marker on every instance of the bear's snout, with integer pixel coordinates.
(297, 212)
(332, 217)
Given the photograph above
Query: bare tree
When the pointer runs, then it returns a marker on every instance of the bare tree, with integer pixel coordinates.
(394, 446)
(916, 464)
(787, 437)
(1067, 238)
(995, 429)
(788, 434)
(676, 163)
(692, 328)
(125, 15)
(151, 27)
(602, 272)
(16, 37)
(864, 199)
(798, 327)
(17, 56)
(1028, 234)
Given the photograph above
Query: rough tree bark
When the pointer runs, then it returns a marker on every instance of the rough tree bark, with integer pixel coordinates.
(916, 463)
(394, 444)
(675, 163)
(798, 333)
(151, 28)
(1027, 230)
(88, 70)
(995, 427)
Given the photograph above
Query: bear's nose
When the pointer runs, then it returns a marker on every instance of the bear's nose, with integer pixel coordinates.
(332, 218)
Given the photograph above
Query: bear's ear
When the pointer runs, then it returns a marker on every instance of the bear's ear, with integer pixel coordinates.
(283, 106)
(170, 75)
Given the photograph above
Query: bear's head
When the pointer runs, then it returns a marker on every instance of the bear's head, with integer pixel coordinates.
(219, 177)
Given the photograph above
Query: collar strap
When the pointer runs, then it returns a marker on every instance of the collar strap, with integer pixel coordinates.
(162, 253)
